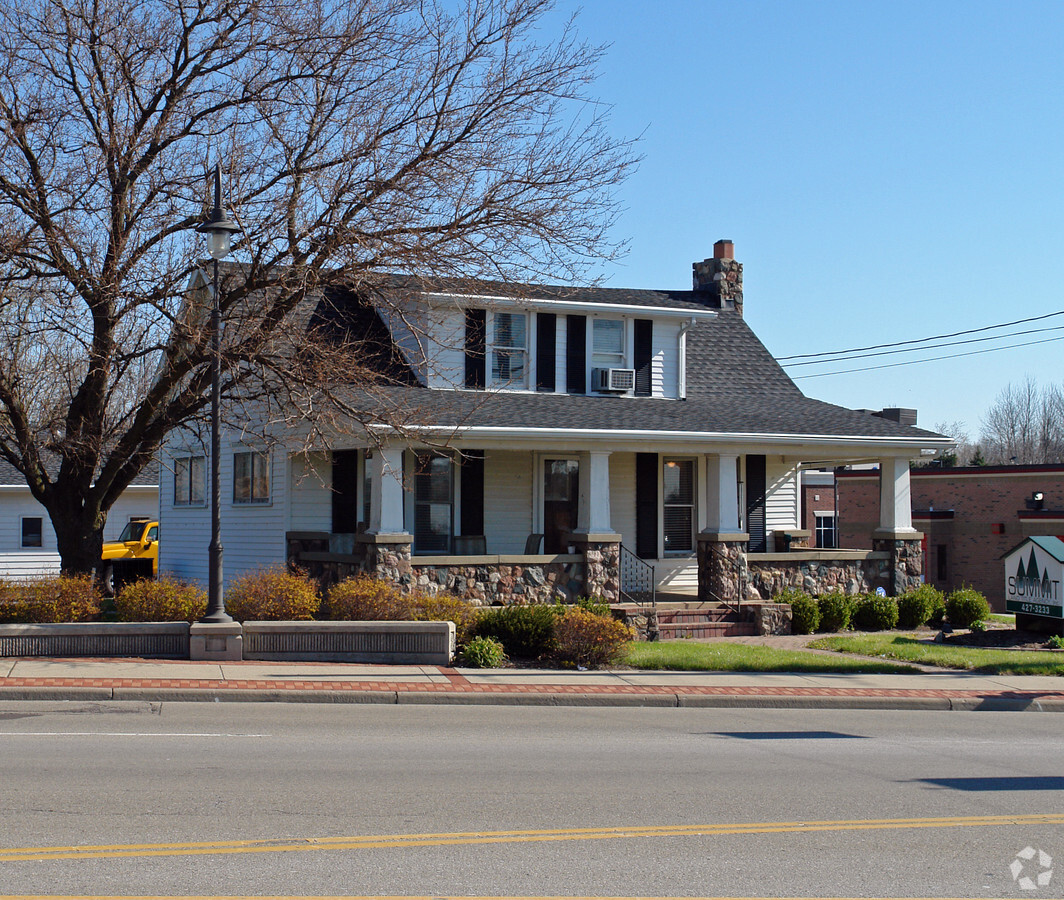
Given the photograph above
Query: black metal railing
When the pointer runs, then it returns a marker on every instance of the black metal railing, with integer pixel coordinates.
(637, 580)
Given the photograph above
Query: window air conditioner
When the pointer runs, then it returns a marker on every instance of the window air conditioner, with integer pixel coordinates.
(614, 380)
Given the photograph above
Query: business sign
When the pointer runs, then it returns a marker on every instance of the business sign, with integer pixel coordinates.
(1034, 573)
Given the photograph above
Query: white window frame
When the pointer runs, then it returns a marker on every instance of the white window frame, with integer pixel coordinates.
(263, 457)
(495, 350)
(22, 533)
(189, 461)
(818, 517)
(610, 359)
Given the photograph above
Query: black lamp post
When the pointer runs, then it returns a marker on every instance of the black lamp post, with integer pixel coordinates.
(218, 229)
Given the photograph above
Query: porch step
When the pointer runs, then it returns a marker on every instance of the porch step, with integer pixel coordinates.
(680, 630)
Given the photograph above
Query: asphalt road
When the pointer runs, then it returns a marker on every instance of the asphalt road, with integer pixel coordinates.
(316, 800)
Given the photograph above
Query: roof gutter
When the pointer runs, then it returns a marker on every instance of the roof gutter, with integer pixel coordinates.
(584, 307)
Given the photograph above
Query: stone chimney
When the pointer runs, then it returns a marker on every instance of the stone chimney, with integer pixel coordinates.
(721, 278)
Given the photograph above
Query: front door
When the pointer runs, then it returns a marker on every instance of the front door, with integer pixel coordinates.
(561, 486)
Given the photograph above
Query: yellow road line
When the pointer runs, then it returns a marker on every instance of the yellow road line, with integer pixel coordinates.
(394, 841)
(426, 897)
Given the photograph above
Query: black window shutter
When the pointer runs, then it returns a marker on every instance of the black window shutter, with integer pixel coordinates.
(644, 355)
(345, 507)
(755, 503)
(646, 505)
(472, 492)
(576, 354)
(476, 327)
(546, 342)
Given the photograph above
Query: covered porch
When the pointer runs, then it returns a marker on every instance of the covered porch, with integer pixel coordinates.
(500, 524)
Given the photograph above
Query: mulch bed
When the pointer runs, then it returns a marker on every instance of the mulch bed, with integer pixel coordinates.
(1002, 638)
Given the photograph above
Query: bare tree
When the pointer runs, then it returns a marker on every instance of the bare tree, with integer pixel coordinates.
(961, 451)
(1025, 425)
(356, 138)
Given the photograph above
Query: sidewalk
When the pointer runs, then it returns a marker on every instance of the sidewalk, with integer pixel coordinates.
(163, 680)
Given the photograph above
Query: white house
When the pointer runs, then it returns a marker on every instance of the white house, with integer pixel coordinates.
(27, 539)
(562, 438)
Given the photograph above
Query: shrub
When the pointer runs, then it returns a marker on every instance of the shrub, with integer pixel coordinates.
(875, 613)
(586, 639)
(789, 595)
(482, 653)
(805, 615)
(938, 613)
(966, 606)
(1056, 642)
(446, 608)
(527, 632)
(272, 595)
(915, 607)
(161, 600)
(596, 605)
(367, 599)
(68, 598)
(836, 609)
(978, 625)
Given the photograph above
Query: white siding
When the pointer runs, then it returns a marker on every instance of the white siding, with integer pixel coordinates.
(252, 534)
(781, 496)
(311, 486)
(666, 368)
(16, 503)
(508, 493)
(622, 497)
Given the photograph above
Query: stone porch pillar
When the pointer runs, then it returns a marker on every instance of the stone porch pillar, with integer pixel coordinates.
(896, 534)
(722, 566)
(387, 546)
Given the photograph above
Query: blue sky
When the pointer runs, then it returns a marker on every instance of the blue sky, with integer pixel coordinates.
(887, 171)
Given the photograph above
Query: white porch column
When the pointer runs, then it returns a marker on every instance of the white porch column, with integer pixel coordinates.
(386, 491)
(722, 494)
(593, 503)
(895, 500)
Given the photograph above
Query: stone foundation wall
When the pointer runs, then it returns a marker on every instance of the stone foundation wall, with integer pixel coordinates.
(768, 577)
(502, 583)
(770, 618)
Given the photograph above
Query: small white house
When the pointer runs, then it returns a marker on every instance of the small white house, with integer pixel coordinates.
(27, 540)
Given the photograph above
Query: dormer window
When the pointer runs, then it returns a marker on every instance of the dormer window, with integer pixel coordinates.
(509, 350)
(607, 343)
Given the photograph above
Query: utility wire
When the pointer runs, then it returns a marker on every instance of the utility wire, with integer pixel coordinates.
(937, 337)
(913, 362)
(996, 337)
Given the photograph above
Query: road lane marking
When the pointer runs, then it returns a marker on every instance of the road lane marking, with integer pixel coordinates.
(429, 897)
(396, 841)
(167, 734)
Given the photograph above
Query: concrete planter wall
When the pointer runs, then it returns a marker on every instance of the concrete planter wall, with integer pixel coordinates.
(152, 640)
(409, 643)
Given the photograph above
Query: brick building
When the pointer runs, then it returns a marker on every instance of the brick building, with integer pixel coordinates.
(970, 518)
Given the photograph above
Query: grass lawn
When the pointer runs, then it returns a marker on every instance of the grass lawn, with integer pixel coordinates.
(726, 657)
(984, 660)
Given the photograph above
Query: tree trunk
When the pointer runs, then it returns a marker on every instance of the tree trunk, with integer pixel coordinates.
(79, 538)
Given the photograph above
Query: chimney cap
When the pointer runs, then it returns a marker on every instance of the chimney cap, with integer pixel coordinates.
(724, 249)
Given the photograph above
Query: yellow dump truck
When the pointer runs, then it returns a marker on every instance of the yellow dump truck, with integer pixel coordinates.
(134, 555)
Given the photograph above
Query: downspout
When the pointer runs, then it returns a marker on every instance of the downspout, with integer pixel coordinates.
(682, 352)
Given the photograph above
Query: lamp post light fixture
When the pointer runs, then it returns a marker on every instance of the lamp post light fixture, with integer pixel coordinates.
(219, 230)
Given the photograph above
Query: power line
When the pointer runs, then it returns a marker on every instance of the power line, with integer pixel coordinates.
(937, 337)
(913, 362)
(996, 337)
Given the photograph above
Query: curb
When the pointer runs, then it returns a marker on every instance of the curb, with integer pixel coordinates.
(545, 697)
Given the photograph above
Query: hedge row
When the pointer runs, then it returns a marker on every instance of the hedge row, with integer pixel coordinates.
(871, 612)
(585, 634)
